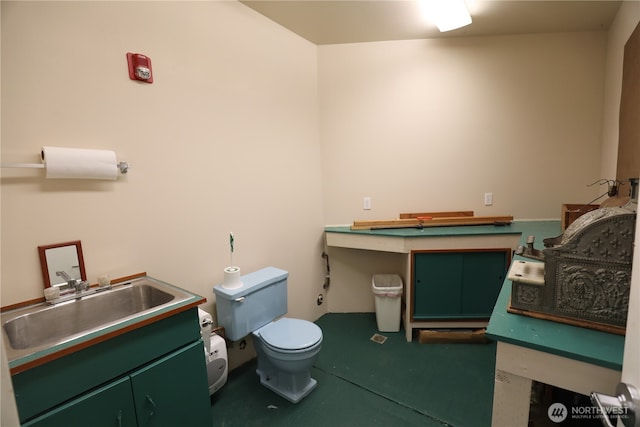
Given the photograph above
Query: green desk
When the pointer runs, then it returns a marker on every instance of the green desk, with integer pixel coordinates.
(573, 358)
(408, 241)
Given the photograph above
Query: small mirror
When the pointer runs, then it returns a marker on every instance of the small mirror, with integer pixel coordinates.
(61, 259)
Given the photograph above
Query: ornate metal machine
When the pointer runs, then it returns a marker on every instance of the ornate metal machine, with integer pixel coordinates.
(586, 271)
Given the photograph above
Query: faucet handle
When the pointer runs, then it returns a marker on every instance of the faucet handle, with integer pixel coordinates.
(78, 285)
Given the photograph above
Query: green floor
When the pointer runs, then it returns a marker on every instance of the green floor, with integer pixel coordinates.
(363, 383)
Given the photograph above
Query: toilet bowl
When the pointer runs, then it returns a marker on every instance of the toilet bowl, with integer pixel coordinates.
(286, 348)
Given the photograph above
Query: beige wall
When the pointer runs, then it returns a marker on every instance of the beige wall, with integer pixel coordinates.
(431, 125)
(225, 139)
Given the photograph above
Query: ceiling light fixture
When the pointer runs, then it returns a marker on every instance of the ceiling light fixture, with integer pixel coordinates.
(447, 15)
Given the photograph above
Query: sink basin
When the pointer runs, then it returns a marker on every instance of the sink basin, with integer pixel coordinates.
(41, 326)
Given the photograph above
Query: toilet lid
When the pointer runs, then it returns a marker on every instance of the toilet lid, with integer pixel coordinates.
(291, 334)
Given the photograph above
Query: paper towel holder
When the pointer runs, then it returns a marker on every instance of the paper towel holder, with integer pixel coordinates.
(122, 166)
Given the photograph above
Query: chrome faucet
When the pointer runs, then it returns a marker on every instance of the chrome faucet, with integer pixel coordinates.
(74, 289)
(75, 284)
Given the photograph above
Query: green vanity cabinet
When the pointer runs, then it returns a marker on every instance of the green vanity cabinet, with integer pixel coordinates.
(153, 375)
(157, 395)
(457, 284)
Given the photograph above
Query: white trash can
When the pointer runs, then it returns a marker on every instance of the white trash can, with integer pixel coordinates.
(387, 291)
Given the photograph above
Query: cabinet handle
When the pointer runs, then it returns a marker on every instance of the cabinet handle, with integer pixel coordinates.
(153, 405)
(119, 418)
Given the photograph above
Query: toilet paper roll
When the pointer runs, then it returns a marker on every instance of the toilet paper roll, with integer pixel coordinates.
(76, 163)
(232, 278)
(206, 323)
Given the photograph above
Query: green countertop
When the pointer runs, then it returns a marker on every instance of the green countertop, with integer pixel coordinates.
(587, 345)
(573, 342)
(540, 229)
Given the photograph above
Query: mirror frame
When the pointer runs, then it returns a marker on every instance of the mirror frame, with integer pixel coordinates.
(43, 259)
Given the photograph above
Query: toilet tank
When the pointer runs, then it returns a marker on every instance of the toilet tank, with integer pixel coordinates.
(261, 299)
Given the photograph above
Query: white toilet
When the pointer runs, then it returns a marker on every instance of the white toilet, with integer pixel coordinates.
(287, 348)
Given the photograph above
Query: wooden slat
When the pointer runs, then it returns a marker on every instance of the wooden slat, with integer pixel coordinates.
(435, 214)
(612, 329)
(472, 220)
(435, 222)
(393, 223)
(440, 337)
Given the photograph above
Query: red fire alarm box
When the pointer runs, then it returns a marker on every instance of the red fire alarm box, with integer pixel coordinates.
(139, 67)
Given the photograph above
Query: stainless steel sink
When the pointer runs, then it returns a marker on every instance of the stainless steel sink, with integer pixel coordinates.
(41, 326)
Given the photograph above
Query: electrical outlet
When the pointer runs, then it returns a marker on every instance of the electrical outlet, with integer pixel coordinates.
(366, 203)
(488, 199)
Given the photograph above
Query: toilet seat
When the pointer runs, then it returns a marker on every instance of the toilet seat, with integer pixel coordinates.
(291, 335)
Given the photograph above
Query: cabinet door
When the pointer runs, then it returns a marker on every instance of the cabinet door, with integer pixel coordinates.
(173, 391)
(484, 274)
(437, 281)
(109, 406)
(457, 285)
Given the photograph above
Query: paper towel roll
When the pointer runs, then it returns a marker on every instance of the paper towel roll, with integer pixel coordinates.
(232, 278)
(206, 323)
(77, 163)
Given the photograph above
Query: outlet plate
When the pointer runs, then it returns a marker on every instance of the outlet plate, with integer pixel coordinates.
(366, 203)
(488, 199)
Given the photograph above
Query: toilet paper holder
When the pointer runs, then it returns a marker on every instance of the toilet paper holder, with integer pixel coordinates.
(206, 322)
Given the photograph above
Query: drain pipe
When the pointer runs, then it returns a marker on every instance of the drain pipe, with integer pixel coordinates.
(327, 274)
